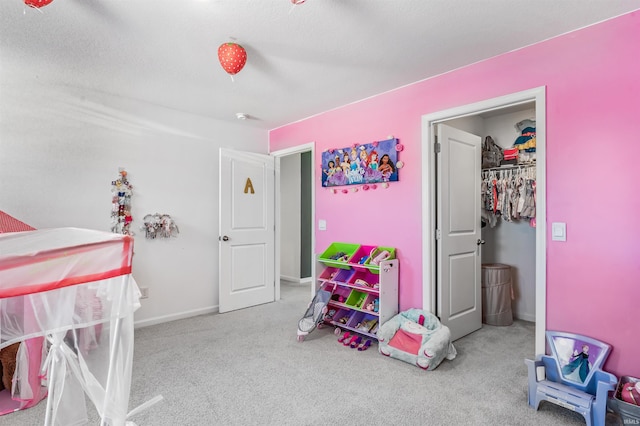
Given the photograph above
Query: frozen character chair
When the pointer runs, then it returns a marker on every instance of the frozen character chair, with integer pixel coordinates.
(416, 337)
(573, 377)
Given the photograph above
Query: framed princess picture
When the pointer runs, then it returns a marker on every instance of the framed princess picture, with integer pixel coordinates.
(361, 164)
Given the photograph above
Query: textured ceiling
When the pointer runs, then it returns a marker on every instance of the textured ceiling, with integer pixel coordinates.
(302, 59)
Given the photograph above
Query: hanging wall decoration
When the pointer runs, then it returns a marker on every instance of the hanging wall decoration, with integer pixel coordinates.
(121, 191)
(37, 4)
(365, 164)
(232, 57)
(159, 226)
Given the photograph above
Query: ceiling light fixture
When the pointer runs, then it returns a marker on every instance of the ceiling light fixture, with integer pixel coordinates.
(37, 4)
(241, 116)
(298, 1)
(232, 57)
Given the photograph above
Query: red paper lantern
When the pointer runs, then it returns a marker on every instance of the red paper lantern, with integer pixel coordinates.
(232, 57)
(37, 4)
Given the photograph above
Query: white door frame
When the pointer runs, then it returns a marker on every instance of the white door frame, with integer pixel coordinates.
(429, 197)
(308, 147)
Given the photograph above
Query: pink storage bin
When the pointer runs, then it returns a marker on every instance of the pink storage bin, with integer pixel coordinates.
(366, 279)
(329, 273)
(361, 256)
(369, 301)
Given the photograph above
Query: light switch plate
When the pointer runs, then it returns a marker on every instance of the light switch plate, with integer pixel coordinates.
(322, 225)
(559, 231)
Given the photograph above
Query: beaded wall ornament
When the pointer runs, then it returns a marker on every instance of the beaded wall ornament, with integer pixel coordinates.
(121, 191)
(159, 226)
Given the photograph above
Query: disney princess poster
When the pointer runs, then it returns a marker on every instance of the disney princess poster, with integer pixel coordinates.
(361, 164)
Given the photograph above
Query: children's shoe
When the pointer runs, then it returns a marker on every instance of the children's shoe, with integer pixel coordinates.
(350, 341)
(345, 336)
(354, 344)
(365, 345)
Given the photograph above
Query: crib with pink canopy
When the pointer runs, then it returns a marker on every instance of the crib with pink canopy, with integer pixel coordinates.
(72, 290)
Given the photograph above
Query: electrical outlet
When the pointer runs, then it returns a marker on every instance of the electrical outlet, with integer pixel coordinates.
(144, 292)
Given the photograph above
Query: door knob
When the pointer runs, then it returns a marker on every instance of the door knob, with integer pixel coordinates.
(225, 238)
(480, 241)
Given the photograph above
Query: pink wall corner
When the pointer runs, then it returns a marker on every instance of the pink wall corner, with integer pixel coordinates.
(593, 102)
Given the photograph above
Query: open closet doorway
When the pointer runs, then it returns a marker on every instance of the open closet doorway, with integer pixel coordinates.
(487, 118)
(295, 201)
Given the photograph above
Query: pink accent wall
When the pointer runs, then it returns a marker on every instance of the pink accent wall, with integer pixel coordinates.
(592, 78)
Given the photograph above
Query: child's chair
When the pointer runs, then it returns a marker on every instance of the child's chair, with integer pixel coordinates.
(574, 378)
(417, 337)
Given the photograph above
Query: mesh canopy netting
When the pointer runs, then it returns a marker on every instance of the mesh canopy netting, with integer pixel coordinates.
(73, 289)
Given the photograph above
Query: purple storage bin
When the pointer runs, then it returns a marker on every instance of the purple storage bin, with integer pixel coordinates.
(340, 294)
(355, 319)
(362, 322)
(343, 275)
(342, 316)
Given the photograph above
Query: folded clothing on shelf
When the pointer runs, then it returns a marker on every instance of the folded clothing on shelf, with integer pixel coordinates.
(510, 153)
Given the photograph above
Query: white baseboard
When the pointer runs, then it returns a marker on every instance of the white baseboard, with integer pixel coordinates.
(525, 317)
(295, 280)
(174, 317)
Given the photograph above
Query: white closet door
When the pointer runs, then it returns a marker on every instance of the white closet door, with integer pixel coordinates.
(459, 298)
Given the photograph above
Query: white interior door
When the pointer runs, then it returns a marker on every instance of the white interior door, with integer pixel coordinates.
(247, 229)
(459, 297)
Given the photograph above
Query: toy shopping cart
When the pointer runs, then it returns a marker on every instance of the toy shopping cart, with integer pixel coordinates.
(315, 313)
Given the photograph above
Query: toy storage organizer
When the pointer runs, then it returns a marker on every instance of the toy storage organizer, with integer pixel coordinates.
(364, 284)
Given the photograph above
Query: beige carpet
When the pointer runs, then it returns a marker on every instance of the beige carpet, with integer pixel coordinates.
(247, 368)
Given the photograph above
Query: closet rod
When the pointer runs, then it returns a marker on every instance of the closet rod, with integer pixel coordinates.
(509, 167)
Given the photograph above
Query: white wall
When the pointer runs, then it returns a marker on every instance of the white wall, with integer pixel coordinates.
(473, 124)
(290, 218)
(60, 148)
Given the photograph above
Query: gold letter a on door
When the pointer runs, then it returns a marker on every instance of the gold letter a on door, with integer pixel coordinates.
(248, 186)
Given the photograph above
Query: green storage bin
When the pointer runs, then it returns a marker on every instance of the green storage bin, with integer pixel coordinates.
(376, 268)
(333, 250)
(356, 299)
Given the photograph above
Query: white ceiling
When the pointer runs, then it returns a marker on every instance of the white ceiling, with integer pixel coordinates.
(302, 59)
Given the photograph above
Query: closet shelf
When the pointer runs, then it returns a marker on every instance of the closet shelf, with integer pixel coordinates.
(510, 167)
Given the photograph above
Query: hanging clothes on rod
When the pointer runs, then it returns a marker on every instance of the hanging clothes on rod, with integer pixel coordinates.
(509, 193)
